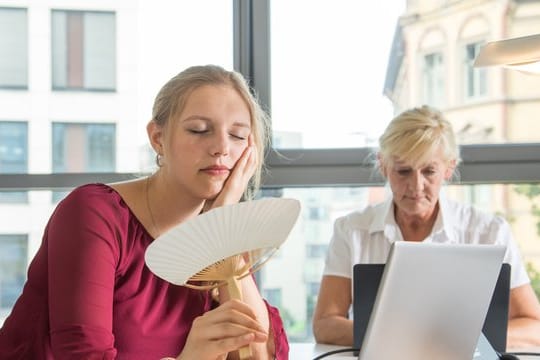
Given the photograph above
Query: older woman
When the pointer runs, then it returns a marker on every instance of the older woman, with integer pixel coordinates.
(418, 153)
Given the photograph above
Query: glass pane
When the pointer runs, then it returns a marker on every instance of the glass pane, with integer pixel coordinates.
(72, 131)
(83, 50)
(13, 156)
(99, 51)
(294, 272)
(91, 51)
(433, 79)
(13, 264)
(330, 73)
(293, 277)
(13, 48)
(82, 148)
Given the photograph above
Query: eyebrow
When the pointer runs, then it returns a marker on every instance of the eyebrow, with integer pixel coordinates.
(207, 119)
(405, 165)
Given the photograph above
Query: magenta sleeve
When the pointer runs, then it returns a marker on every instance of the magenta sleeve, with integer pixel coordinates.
(278, 332)
(83, 253)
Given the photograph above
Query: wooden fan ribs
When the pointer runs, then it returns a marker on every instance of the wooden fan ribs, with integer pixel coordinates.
(228, 243)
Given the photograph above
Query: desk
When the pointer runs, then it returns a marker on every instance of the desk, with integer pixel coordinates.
(307, 351)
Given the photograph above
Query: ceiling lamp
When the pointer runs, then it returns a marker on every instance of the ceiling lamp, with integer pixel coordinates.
(521, 53)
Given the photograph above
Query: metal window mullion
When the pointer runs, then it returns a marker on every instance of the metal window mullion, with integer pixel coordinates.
(252, 45)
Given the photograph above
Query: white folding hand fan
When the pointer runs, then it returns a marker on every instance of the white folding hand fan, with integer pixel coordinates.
(223, 245)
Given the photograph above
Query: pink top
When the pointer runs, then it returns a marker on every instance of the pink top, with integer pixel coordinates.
(89, 294)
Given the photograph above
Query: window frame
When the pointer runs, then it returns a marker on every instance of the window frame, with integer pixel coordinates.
(433, 78)
(482, 164)
(474, 77)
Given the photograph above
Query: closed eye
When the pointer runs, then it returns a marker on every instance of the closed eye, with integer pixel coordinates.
(429, 172)
(194, 131)
(238, 137)
(404, 172)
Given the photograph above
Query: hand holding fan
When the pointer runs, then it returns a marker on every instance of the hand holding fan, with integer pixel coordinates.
(223, 245)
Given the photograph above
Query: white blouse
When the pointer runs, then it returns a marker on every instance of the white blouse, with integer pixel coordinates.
(366, 236)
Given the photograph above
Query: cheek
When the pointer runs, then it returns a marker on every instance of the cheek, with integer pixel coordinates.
(435, 185)
(237, 151)
(397, 185)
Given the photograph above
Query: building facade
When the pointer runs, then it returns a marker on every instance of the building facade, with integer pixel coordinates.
(431, 62)
(67, 95)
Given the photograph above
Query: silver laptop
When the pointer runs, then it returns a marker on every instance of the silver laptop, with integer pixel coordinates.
(432, 301)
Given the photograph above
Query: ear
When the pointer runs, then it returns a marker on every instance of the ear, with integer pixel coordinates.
(155, 135)
(381, 164)
(450, 170)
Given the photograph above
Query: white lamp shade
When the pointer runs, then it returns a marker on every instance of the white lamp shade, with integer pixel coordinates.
(522, 53)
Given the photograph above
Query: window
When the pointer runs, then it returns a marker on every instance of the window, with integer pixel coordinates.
(475, 78)
(273, 296)
(326, 97)
(316, 250)
(433, 79)
(299, 289)
(13, 48)
(327, 75)
(13, 264)
(83, 50)
(83, 148)
(13, 156)
(316, 213)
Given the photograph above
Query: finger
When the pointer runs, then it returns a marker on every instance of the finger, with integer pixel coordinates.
(232, 344)
(206, 349)
(229, 327)
(248, 157)
(252, 162)
(227, 330)
(234, 312)
(237, 182)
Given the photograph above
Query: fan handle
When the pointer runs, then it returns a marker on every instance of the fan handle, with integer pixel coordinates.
(235, 292)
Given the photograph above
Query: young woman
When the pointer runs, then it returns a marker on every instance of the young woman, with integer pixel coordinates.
(89, 294)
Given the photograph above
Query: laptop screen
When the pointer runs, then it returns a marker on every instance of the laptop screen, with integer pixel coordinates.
(367, 278)
(431, 301)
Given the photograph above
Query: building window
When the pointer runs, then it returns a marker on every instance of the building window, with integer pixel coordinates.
(83, 50)
(13, 48)
(83, 148)
(475, 78)
(13, 156)
(433, 79)
(273, 296)
(316, 250)
(316, 213)
(13, 264)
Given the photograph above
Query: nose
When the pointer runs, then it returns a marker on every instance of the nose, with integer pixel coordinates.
(220, 145)
(417, 181)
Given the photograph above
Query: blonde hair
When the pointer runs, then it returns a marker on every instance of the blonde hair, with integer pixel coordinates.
(172, 98)
(414, 135)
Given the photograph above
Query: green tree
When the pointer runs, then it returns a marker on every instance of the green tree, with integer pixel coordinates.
(534, 275)
(532, 192)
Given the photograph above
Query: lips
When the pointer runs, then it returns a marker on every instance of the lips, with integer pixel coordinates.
(216, 170)
(414, 198)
